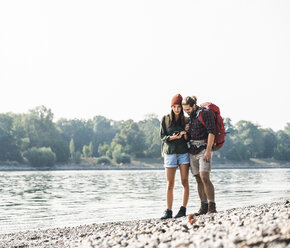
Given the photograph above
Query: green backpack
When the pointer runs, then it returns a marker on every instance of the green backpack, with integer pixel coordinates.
(167, 119)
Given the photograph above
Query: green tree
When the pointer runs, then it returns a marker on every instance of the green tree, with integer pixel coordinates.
(104, 130)
(72, 147)
(9, 149)
(287, 129)
(229, 127)
(234, 147)
(269, 142)
(78, 130)
(103, 149)
(86, 151)
(19, 132)
(130, 138)
(76, 157)
(40, 128)
(282, 151)
(61, 150)
(119, 156)
(251, 137)
(150, 128)
(91, 149)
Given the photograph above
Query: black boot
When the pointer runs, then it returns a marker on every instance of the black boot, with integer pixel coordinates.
(181, 212)
(167, 214)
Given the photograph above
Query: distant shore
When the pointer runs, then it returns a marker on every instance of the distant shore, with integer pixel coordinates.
(266, 225)
(145, 165)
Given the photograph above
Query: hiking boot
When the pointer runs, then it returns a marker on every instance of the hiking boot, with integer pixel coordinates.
(181, 212)
(203, 209)
(211, 208)
(167, 214)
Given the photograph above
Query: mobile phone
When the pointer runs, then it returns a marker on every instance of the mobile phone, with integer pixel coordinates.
(176, 133)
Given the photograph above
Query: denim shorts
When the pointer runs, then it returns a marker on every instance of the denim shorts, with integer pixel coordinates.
(174, 160)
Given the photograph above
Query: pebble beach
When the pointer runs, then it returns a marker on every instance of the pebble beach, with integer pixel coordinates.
(266, 225)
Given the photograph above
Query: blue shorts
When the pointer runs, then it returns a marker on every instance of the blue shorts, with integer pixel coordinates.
(174, 160)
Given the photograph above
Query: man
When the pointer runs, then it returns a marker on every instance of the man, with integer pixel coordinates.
(200, 152)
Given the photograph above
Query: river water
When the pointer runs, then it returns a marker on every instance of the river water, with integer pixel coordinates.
(45, 199)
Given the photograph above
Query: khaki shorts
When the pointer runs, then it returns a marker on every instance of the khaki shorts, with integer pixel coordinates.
(198, 164)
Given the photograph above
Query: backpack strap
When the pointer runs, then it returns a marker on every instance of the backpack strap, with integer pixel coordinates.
(167, 120)
(199, 115)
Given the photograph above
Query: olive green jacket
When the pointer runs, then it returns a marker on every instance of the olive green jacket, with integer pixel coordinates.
(178, 146)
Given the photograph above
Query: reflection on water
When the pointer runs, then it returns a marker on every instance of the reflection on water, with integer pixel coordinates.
(32, 200)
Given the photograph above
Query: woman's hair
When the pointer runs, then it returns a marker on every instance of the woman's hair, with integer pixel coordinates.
(180, 121)
(189, 100)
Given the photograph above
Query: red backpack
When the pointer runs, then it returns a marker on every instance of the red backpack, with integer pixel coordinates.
(219, 124)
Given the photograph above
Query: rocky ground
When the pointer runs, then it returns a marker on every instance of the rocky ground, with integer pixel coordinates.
(265, 225)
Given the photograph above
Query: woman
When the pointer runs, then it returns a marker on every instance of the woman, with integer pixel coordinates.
(174, 148)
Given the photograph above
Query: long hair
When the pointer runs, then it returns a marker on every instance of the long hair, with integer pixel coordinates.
(180, 121)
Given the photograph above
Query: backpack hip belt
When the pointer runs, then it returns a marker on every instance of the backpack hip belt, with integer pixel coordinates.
(197, 143)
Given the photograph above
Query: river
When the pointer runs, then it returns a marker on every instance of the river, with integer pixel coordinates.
(45, 199)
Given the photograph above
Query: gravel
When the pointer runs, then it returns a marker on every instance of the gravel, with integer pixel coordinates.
(266, 225)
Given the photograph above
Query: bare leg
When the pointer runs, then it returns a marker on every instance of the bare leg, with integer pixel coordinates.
(184, 171)
(200, 188)
(208, 186)
(170, 177)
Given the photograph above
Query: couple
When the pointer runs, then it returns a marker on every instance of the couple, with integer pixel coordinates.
(176, 131)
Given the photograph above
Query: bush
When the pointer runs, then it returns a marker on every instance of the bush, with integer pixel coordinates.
(103, 149)
(43, 156)
(87, 151)
(103, 160)
(61, 150)
(121, 158)
(76, 157)
(154, 151)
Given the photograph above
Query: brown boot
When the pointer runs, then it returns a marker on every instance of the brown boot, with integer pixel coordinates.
(203, 209)
(211, 208)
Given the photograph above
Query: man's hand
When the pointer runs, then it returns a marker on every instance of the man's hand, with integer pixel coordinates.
(182, 132)
(207, 156)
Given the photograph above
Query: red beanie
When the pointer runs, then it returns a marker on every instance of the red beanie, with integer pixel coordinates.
(176, 100)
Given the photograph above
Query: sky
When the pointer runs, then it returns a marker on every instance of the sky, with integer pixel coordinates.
(124, 59)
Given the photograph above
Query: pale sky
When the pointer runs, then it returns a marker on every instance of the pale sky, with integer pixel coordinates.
(124, 59)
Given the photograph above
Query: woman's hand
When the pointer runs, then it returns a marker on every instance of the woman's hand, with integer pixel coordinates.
(176, 136)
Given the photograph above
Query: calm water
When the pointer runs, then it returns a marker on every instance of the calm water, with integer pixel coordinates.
(31, 200)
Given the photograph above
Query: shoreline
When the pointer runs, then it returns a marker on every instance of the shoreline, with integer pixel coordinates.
(128, 167)
(251, 164)
(266, 225)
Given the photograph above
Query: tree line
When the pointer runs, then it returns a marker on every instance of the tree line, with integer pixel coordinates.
(36, 138)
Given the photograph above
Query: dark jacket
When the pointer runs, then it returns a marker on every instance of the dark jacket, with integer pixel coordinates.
(177, 146)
